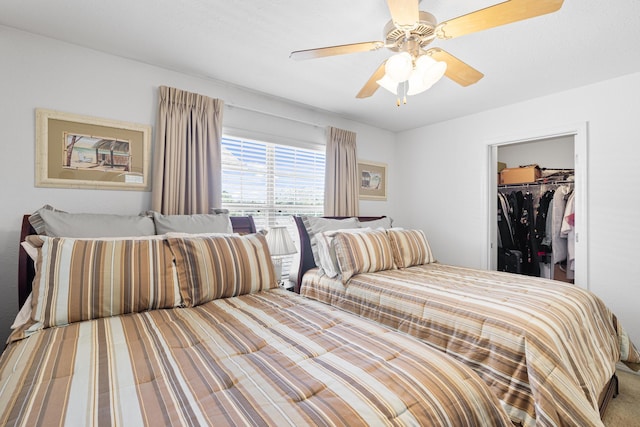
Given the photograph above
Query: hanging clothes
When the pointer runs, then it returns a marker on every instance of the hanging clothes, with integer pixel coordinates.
(515, 226)
(541, 223)
(547, 239)
(529, 244)
(515, 200)
(509, 258)
(568, 230)
(559, 242)
(529, 223)
(505, 229)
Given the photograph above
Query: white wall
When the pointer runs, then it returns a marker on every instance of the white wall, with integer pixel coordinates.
(551, 153)
(44, 73)
(442, 185)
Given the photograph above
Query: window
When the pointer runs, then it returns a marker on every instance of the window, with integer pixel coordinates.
(271, 182)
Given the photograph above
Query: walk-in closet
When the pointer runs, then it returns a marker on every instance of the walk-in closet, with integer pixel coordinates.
(536, 208)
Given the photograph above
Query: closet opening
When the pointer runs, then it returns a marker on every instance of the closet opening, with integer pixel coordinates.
(537, 206)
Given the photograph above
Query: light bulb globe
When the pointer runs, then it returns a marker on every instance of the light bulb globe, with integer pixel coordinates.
(388, 84)
(434, 73)
(399, 67)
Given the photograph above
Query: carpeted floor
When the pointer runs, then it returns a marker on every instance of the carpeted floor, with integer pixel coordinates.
(624, 410)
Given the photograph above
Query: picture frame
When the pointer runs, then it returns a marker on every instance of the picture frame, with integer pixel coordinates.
(372, 180)
(75, 151)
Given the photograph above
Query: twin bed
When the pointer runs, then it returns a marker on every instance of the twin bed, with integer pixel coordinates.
(548, 350)
(193, 330)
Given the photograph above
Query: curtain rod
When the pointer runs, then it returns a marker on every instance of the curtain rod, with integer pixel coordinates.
(267, 113)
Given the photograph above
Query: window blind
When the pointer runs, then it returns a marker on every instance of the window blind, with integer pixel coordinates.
(271, 182)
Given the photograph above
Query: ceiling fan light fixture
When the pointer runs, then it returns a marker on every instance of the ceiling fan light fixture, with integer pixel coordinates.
(428, 72)
(387, 83)
(416, 84)
(434, 73)
(399, 67)
(424, 61)
(410, 31)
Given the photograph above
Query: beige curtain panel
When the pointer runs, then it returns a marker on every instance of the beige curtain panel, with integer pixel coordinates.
(341, 175)
(187, 153)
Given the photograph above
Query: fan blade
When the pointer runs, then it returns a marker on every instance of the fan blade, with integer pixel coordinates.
(371, 86)
(335, 50)
(494, 16)
(458, 71)
(404, 13)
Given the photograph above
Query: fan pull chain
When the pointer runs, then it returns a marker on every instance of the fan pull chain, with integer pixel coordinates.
(402, 92)
(405, 89)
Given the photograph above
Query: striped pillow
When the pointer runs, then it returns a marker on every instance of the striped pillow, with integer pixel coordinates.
(315, 225)
(327, 251)
(36, 220)
(87, 279)
(410, 247)
(363, 253)
(221, 266)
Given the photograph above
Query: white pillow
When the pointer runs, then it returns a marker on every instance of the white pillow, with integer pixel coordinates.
(63, 224)
(327, 251)
(196, 223)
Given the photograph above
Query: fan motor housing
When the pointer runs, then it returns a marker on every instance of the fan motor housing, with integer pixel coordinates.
(423, 33)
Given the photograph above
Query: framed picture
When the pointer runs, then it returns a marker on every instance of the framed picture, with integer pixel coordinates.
(75, 151)
(373, 180)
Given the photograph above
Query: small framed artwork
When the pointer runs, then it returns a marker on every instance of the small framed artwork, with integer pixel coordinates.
(74, 151)
(373, 180)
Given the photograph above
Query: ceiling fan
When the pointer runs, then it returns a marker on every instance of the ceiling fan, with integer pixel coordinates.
(413, 69)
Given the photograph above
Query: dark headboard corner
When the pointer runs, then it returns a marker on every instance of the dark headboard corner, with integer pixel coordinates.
(306, 261)
(26, 270)
(243, 224)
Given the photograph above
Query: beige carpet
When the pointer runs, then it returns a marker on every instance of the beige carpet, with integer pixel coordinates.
(624, 410)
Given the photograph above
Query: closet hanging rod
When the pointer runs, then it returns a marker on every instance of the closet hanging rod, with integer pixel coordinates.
(534, 184)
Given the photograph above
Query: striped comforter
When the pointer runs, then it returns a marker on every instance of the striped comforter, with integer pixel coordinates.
(547, 349)
(269, 358)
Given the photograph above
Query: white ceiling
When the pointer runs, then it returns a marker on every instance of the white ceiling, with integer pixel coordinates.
(247, 43)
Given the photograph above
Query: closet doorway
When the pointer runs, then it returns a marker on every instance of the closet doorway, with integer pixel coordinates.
(556, 149)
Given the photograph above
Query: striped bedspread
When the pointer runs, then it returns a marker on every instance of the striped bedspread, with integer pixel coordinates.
(547, 349)
(270, 358)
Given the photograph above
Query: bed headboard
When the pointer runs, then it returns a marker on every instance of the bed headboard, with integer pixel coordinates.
(306, 261)
(26, 269)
